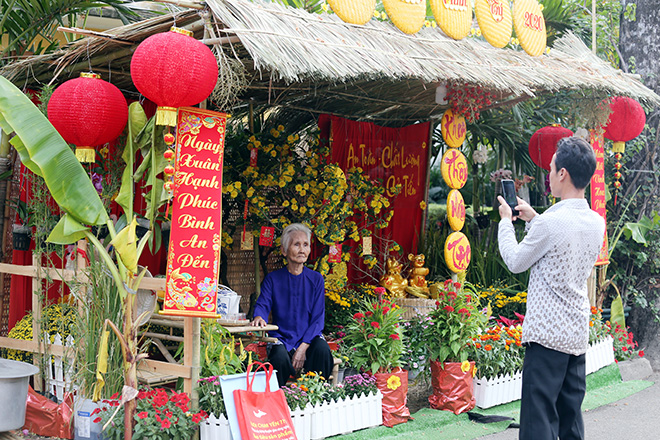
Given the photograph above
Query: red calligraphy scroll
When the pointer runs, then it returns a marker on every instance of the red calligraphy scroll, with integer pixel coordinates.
(194, 253)
(598, 191)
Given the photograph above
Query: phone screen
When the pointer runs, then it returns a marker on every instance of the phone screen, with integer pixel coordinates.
(509, 193)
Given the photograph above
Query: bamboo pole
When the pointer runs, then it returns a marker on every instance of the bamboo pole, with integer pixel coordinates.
(36, 326)
(593, 26)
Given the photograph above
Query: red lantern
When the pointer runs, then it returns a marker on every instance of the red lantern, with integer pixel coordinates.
(173, 70)
(626, 123)
(88, 112)
(543, 144)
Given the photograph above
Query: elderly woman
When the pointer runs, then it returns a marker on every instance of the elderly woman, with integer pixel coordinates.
(295, 296)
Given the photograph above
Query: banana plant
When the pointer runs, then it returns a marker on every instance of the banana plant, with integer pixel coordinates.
(44, 152)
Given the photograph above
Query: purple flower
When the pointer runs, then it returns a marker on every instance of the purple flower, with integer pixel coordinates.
(97, 181)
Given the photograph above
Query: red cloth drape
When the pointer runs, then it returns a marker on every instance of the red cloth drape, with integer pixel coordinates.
(391, 156)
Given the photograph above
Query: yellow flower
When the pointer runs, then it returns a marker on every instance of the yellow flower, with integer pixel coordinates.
(280, 127)
(285, 203)
(465, 366)
(422, 205)
(393, 382)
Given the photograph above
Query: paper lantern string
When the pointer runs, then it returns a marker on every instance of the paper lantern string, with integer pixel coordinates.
(169, 170)
(617, 174)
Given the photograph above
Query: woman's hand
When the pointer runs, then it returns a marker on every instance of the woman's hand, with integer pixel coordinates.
(258, 322)
(299, 356)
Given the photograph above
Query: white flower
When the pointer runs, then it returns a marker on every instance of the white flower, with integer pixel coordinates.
(480, 156)
(582, 133)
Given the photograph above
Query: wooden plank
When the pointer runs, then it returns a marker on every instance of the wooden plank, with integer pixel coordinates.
(251, 328)
(188, 352)
(178, 370)
(43, 272)
(34, 347)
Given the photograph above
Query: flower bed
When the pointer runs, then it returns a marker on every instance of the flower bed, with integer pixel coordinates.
(337, 417)
(508, 387)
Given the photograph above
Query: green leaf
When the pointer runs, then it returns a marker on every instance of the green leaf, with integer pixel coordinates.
(44, 152)
(617, 314)
(67, 231)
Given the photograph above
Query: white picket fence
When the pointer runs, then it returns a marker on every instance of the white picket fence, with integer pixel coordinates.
(58, 370)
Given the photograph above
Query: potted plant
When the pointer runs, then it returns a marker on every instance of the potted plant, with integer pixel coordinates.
(375, 334)
(454, 321)
(21, 231)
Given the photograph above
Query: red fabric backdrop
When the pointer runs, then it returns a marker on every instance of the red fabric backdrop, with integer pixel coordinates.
(391, 156)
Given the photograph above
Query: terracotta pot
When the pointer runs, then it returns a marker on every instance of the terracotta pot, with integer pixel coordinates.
(452, 387)
(394, 388)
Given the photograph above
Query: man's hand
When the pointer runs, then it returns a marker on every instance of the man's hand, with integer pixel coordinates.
(505, 209)
(299, 356)
(525, 211)
(258, 322)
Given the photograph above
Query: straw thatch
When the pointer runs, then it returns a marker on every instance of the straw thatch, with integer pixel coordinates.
(321, 64)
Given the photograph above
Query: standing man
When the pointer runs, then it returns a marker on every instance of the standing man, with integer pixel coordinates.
(561, 247)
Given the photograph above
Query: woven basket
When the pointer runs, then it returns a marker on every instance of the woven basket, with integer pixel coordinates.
(415, 306)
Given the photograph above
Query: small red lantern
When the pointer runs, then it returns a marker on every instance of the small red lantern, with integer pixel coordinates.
(543, 144)
(173, 70)
(87, 112)
(626, 123)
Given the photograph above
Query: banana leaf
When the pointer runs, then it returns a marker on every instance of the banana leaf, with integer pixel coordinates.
(46, 154)
(137, 120)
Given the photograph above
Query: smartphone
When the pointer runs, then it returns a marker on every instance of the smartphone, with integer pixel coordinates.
(509, 194)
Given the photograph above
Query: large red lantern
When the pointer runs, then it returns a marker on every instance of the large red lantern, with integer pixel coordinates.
(625, 124)
(173, 70)
(543, 144)
(88, 112)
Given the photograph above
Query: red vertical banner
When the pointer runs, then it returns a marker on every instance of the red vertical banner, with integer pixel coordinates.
(193, 259)
(598, 191)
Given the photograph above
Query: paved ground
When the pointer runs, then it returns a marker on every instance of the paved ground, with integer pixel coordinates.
(635, 417)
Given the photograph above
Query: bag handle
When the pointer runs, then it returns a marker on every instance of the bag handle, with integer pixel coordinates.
(268, 369)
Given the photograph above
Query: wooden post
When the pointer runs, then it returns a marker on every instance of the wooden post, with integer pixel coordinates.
(36, 325)
(188, 351)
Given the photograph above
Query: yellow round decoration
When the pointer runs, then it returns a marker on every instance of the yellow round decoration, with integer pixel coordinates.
(495, 21)
(453, 16)
(457, 252)
(353, 11)
(529, 24)
(453, 128)
(407, 15)
(454, 168)
(455, 210)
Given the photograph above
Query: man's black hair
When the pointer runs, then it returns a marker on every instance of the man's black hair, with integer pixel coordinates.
(577, 156)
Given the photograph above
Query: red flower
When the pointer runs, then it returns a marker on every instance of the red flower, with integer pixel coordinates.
(379, 291)
(166, 423)
(624, 348)
(641, 353)
(143, 414)
(488, 347)
(96, 411)
(358, 316)
(370, 335)
(369, 313)
(114, 396)
(158, 417)
(96, 420)
(395, 336)
(447, 282)
(457, 285)
(464, 311)
(448, 309)
(437, 303)
(375, 324)
(385, 310)
(196, 418)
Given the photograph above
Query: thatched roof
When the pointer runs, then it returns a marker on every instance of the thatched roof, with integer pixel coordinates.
(321, 64)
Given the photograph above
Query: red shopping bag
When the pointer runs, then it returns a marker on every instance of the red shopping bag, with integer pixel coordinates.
(263, 416)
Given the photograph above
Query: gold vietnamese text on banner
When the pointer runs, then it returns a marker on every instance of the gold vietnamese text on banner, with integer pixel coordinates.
(194, 253)
(598, 191)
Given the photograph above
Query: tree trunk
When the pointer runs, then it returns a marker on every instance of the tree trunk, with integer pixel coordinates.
(639, 48)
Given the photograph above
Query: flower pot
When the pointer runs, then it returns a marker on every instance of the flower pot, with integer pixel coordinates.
(394, 388)
(14, 377)
(214, 428)
(452, 387)
(21, 237)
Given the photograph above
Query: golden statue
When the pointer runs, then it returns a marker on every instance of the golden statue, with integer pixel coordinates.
(417, 276)
(392, 280)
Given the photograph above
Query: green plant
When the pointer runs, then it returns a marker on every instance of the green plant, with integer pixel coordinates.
(220, 356)
(503, 300)
(597, 328)
(21, 210)
(159, 415)
(415, 352)
(497, 351)
(375, 336)
(296, 397)
(454, 321)
(315, 387)
(625, 346)
(210, 396)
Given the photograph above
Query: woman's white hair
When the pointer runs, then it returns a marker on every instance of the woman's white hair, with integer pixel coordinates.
(289, 230)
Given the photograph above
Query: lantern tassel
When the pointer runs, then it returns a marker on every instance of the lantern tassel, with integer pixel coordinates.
(86, 154)
(619, 147)
(166, 116)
